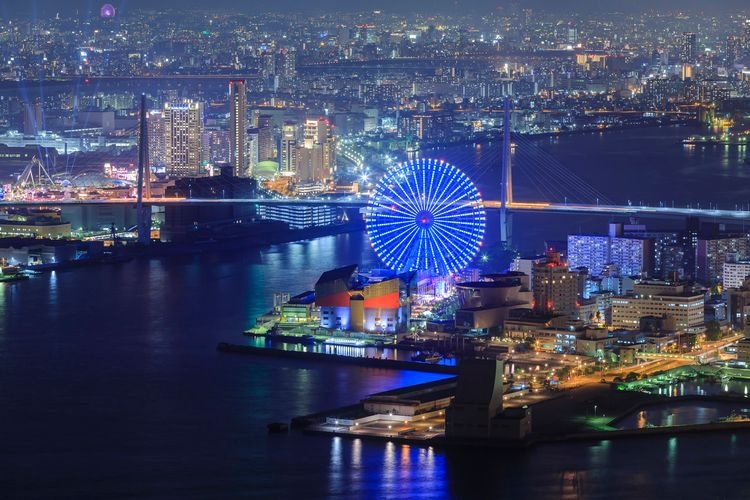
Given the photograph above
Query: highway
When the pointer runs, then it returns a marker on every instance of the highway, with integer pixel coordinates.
(360, 201)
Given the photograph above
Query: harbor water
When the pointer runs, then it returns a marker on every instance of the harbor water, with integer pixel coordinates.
(111, 385)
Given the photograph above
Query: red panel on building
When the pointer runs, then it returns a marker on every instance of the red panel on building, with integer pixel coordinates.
(340, 299)
(389, 301)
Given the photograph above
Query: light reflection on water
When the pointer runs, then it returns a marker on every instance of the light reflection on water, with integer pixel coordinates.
(112, 373)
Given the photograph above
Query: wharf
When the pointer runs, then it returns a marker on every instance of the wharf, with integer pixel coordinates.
(391, 364)
(566, 416)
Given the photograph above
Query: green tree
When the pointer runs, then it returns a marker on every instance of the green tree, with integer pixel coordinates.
(713, 330)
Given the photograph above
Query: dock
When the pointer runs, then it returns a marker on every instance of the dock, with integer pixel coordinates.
(391, 364)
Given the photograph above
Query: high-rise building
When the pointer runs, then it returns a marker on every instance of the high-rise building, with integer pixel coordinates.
(238, 127)
(557, 290)
(735, 274)
(689, 48)
(183, 131)
(156, 145)
(289, 136)
(712, 252)
(732, 50)
(266, 150)
(632, 256)
(286, 66)
(316, 157)
(589, 251)
(251, 141)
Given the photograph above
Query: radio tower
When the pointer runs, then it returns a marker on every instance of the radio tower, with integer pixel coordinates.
(506, 187)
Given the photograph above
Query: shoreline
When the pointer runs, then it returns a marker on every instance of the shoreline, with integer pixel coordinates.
(390, 364)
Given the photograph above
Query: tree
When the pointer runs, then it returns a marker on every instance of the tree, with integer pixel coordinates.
(713, 330)
(497, 258)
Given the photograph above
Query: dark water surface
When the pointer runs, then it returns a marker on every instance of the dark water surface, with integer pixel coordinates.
(110, 387)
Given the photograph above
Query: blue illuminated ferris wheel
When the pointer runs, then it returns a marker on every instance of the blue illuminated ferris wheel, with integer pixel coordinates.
(425, 215)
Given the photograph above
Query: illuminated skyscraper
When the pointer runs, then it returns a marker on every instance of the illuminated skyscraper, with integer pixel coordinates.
(251, 150)
(156, 135)
(238, 127)
(266, 150)
(183, 130)
(289, 147)
(556, 289)
(689, 48)
(316, 158)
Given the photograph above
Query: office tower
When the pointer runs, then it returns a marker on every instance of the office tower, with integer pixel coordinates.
(316, 158)
(746, 39)
(713, 251)
(556, 289)
(251, 142)
(266, 150)
(183, 131)
(631, 256)
(659, 299)
(289, 141)
(156, 143)
(286, 66)
(735, 273)
(589, 251)
(688, 48)
(732, 50)
(216, 147)
(238, 127)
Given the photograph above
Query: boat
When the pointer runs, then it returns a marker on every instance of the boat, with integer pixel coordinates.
(433, 359)
(290, 338)
(345, 342)
(11, 273)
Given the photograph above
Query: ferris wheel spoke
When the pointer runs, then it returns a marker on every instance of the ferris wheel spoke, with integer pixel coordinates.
(407, 242)
(457, 231)
(394, 234)
(450, 240)
(401, 204)
(440, 253)
(447, 201)
(430, 191)
(417, 199)
(464, 251)
(408, 205)
(466, 207)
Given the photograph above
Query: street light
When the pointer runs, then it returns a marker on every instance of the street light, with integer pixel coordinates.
(595, 407)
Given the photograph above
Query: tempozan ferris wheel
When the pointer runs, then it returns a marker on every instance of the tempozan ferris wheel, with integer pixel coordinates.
(425, 215)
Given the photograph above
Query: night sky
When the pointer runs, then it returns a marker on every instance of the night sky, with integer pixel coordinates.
(46, 8)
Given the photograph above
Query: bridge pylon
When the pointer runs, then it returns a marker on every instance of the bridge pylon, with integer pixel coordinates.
(144, 179)
(506, 182)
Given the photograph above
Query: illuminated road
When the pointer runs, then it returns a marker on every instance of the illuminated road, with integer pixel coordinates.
(360, 201)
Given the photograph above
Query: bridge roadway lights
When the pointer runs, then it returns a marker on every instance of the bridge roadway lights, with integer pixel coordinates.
(362, 201)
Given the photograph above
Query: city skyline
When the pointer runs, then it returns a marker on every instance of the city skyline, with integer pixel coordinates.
(50, 7)
(450, 249)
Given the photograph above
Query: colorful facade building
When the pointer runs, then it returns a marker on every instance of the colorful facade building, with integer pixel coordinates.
(346, 303)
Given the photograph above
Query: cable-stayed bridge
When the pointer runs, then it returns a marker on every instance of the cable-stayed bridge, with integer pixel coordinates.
(541, 173)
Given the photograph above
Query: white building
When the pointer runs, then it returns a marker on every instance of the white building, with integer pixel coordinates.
(648, 299)
(734, 274)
